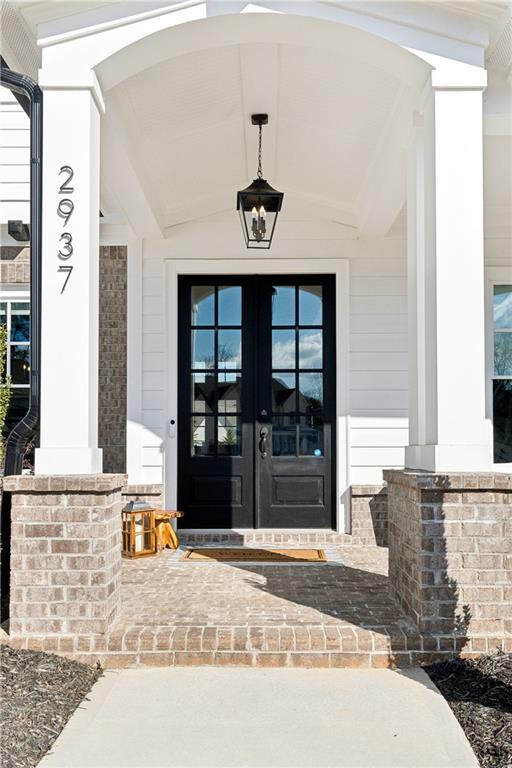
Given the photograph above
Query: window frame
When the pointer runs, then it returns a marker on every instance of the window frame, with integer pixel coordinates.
(12, 294)
(494, 276)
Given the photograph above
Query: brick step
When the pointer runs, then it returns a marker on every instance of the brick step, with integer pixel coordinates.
(266, 537)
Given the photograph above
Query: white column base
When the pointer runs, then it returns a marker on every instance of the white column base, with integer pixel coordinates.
(69, 461)
(449, 458)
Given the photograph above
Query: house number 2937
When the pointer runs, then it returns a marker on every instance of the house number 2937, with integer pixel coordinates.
(65, 209)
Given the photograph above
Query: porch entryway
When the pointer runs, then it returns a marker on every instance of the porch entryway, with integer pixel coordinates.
(257, 401)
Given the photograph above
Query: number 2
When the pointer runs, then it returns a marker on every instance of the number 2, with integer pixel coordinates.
(64, 189)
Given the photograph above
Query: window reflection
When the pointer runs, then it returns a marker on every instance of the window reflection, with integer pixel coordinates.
(310, 348)
(20, 363)
(283, 305)
(502, 306)
(230, 305)
(203, 392)
(229, 393)
(203, 305)
(311, 436)
(283, 349)
(310, 392)
(20, 321)
(230, 349)
(203, 435)
(284, 436)
(283, 392)
(228, 440)
(502, 420)
(203, 349)
(310, 305)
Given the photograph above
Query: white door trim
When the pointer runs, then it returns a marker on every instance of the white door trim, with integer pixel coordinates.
(259, 266)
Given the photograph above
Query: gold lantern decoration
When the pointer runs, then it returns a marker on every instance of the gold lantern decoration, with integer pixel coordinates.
(139, 537)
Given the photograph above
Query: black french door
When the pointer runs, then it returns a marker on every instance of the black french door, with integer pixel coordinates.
(256, 401)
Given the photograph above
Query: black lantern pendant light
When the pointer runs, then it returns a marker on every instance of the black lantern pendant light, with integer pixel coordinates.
(259, 204)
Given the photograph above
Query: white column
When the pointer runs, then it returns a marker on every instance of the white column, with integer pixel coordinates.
(448, 428)
(69, 372)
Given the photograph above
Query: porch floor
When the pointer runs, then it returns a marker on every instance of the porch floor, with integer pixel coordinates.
(334, 614)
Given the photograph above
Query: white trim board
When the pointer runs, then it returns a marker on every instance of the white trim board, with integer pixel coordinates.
(259, 266)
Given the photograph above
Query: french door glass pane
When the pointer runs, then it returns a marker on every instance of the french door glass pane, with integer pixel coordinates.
(283, 305)
(228, 440)
(229, 389)
(502, 306)
(310, 392)
(20, 321)
(230, 349)
(503, 353)
(311, 436)
(3, 313)
(203, 392)
(310, 305)
(284, 436)
(203, 305)
(230, 305)
(203, 435)
(203, 349)
(283, 349)
(502, 420)
(310, 348)
(283, 392)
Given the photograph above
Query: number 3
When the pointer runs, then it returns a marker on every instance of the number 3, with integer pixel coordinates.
(67, 246)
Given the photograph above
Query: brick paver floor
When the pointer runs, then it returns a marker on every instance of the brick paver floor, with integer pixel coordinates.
(177, 612)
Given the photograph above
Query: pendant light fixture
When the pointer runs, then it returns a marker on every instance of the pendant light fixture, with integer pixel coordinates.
(259, 204)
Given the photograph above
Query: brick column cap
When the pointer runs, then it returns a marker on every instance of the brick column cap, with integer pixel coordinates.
(449, 480)
(99, 483)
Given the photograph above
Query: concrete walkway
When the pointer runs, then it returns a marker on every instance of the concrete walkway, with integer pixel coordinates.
(157, 718)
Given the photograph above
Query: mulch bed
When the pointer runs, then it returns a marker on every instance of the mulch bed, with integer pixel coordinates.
(39, 693)
(480, 694)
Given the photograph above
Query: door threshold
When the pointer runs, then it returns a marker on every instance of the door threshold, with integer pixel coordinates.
(248, 536)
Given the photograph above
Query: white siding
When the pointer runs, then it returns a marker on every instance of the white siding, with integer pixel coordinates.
(14, 160)
(378, 366)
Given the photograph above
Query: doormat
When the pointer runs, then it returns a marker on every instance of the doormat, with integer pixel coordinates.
(237, 555)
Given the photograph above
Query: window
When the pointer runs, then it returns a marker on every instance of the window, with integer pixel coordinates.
(15, 312)
(502, 373)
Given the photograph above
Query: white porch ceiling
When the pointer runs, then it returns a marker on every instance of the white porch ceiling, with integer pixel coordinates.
(186, 128)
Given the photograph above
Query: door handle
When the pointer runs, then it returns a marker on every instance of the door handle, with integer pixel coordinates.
(263, 441)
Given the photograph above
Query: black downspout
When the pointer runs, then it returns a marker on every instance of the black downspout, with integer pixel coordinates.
(26, 428)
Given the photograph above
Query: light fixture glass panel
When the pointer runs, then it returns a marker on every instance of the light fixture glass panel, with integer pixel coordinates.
(283, 349)
(203, 305)
(230, 305)
(310, 348)
(310, 305)
(283, 305)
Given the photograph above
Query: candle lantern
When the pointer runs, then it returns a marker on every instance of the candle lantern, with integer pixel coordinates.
(259, 203)
(139, 538)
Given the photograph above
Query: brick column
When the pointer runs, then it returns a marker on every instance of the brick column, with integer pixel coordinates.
(65, 553)
(450, 556)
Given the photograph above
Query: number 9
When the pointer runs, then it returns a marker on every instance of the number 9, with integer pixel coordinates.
(65, 208)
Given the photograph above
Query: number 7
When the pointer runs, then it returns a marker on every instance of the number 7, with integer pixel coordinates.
(67, 269)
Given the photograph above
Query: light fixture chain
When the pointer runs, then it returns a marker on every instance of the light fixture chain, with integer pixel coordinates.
(260, 172)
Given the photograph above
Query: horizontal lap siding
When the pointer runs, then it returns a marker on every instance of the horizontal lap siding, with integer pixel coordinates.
(14, 160)
(154, 365)
(378, 366)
